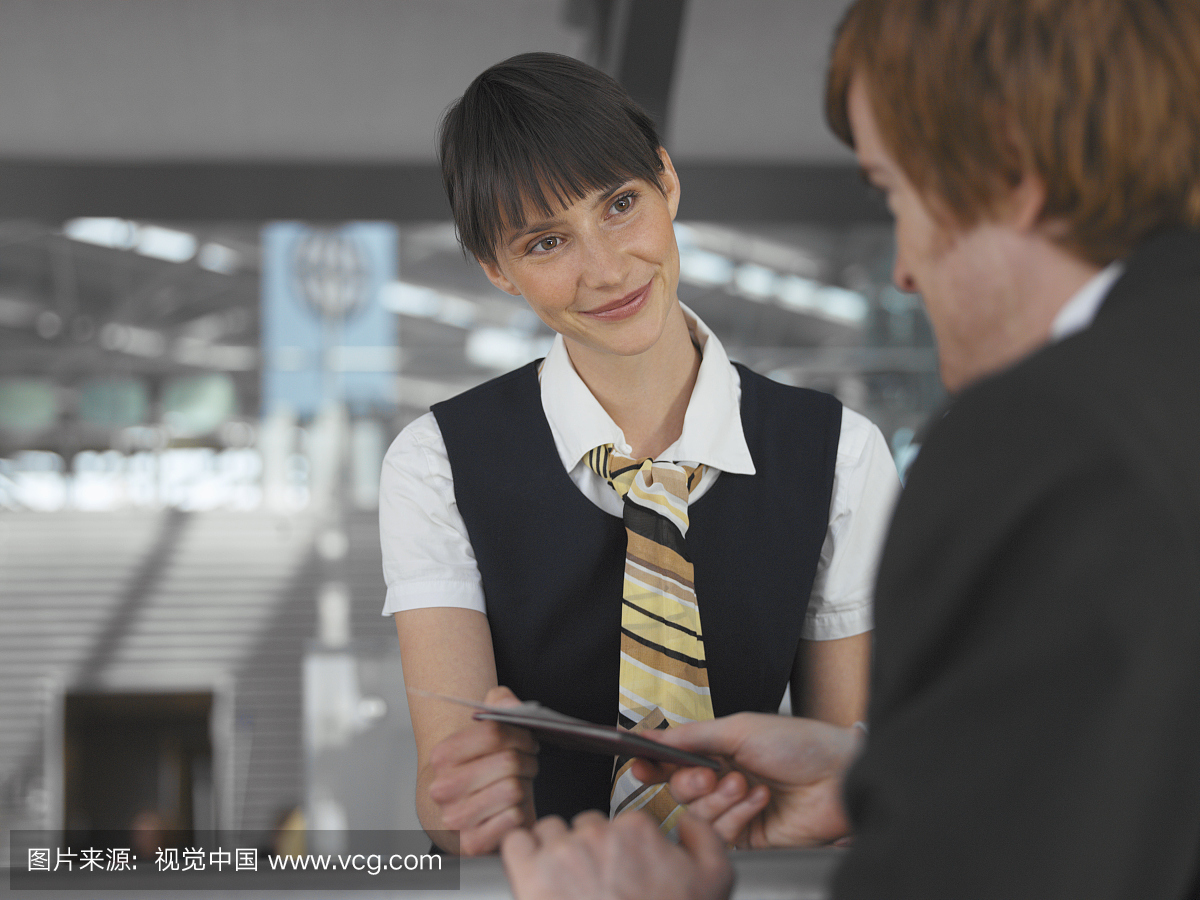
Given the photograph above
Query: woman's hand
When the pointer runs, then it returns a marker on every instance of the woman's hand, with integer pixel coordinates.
(482, 780)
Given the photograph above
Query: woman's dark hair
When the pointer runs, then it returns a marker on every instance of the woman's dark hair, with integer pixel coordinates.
(543, 130)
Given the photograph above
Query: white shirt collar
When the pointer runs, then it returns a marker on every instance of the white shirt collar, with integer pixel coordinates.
(1078, 312)
(712, 425)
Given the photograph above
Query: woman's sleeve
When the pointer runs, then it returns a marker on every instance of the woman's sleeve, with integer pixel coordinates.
(427, 557)
(865, 487)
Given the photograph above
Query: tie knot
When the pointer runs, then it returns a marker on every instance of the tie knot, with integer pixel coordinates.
(650, 475)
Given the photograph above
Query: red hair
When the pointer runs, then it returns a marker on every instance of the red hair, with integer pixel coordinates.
(1098, 98)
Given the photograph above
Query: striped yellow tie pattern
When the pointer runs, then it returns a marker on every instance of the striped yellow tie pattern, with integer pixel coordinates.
(664, 676)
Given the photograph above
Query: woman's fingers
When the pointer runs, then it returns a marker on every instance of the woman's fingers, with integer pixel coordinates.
(458, 780)
(501, 696)
(479, 739)
(483, 781)
(472, 808)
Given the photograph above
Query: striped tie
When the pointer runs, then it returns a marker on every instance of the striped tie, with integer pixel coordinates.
(664, 678)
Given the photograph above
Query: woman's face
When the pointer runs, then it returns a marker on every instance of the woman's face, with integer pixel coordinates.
(603, 272)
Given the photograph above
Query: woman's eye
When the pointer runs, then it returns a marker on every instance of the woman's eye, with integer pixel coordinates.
(547, 243)
(623, 203)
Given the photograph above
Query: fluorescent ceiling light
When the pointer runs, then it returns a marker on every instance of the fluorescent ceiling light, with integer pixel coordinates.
(227, 357)
(806, 295)
(154, 241)
(115, 233)
(504, 348)
(796, 292)
(219, 258)
(704, 267)
(165, 243)
(843, 304)
(426, 303)
(132, 340)
(756, 282)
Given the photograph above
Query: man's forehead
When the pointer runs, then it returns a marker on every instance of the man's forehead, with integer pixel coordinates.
(873, 157)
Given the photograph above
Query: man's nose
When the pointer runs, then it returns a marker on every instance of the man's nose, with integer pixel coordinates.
(902, 277)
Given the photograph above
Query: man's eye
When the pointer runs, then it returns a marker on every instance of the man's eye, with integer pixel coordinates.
(547, 243)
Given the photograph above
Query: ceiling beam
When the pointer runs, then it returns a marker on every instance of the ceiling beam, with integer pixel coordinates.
(52, 192)
(643, 44)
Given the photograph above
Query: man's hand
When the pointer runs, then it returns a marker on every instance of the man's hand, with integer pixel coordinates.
(625, 859)
(483, 779)
(785, 790)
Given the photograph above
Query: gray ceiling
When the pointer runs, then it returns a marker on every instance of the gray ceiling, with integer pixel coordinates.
(218, 115)
(366, 80)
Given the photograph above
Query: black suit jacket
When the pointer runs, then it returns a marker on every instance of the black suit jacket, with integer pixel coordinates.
(1035, 711)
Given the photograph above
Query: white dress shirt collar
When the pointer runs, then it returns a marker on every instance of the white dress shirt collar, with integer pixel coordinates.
(712, 426)
(1078, 312)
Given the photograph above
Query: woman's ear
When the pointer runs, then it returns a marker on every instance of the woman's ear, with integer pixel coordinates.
(670, 181)
(498, 278)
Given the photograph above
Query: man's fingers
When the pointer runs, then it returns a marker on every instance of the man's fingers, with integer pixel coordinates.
(731, 807)
(549, 829)
(649, 772)
(688, 785)
(712, 737)
(707, 849)
(517, 848)
(589, 820)
(486, 836)
(713, 802)
(698, 838)
(733, 824)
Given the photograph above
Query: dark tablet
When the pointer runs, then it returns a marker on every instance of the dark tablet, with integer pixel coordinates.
(576, 734)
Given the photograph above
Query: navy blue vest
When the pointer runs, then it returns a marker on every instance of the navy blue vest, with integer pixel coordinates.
(552, 562)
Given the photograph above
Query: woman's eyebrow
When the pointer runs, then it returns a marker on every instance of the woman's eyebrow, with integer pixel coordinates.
(605, 191)
(600, 196)
(532, 228)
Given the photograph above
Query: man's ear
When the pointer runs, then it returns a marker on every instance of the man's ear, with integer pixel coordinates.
(1026, 202)
(498, 278)
(1022, 208)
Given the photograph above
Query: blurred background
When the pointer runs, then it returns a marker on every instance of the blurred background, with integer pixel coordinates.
(228, 278)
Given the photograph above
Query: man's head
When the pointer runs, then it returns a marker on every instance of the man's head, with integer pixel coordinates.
(537, 132)
(1022, 145)
(1096, 99)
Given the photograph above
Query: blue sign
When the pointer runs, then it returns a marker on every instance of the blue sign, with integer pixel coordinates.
(325, 336)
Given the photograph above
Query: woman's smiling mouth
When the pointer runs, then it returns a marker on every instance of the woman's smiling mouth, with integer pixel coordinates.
(623, 307)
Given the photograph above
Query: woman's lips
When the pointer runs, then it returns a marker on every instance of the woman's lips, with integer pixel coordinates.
(623, 307)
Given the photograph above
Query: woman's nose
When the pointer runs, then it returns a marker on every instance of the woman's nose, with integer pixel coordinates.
(605, 262)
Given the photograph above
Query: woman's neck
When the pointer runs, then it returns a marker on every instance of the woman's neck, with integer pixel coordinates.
(646, 395)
